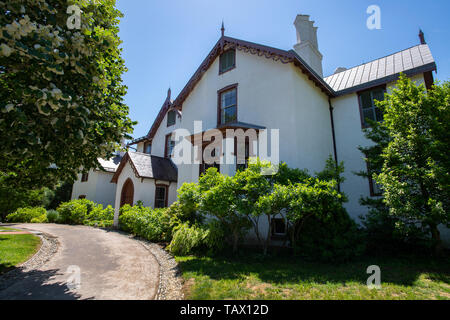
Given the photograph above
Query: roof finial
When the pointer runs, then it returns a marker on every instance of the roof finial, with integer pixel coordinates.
(222, 29)
(421, 37)
(169, 92)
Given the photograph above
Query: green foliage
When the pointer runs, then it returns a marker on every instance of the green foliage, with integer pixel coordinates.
(151, 224)
(52, 216)
(75, 211)
(28, 215)
(410, 159)
(98, 213)
(334, 239)
(61, 91)
(186, 239)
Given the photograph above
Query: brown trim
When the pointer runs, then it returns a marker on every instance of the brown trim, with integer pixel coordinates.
(358, 96)
(234, 65)
(85, 177)
(168, 136)
(166, 187)
(219, 92)
(428, 78)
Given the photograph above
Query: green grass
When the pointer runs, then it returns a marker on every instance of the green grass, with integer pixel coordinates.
(8, 229)
(15, 249)
(256, 277)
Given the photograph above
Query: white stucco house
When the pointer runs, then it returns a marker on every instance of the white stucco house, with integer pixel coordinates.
(248, 86)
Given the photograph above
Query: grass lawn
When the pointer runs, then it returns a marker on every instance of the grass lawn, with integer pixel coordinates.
(256, 277)
(15, 249)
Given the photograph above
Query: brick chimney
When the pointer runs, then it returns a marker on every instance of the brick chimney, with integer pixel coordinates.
(306, 46)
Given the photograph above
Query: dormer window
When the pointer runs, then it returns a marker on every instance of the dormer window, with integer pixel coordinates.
(148, 148)
(169, 146)
(171, 118)
(227, 61)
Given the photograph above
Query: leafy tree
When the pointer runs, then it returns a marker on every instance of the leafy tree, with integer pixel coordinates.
(61, 92)
(415, 172)
(219, 199)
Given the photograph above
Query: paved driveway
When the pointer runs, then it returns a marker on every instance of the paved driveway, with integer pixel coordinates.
(111, 266)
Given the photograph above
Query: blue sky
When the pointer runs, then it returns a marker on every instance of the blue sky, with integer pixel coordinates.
(165, 41)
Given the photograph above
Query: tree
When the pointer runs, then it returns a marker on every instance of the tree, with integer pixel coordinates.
(61, 92)
(415, 174)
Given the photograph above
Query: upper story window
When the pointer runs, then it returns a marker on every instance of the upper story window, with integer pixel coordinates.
(228, 104)
(85, 177)
(148, 148)
(171, 118)
(367, 105)
(170, 145)
(227, 61)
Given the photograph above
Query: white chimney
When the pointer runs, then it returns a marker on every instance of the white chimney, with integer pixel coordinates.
(306, 46)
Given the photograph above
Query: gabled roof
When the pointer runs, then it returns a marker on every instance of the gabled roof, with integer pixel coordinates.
(147, 166)
(411, 61)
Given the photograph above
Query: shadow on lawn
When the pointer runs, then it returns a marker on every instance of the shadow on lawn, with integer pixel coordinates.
(34, 285)
(280, 270)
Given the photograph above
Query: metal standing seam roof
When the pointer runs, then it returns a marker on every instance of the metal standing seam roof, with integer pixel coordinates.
(413, 60)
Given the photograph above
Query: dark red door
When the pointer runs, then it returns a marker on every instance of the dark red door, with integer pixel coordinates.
(127, 193)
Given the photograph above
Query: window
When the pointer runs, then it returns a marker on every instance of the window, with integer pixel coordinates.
(227, 61)
(242, 166)
(228, 105)
(374, 187)
(278, 227)
(82, 197)
(148, 148)
(170, 145)
(367, 105)
(171, 118)
(205, 166)
(161, 196)
(85, 177)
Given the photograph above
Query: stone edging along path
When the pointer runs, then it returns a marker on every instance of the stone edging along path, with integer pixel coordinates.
(170, 280)
(49, 246)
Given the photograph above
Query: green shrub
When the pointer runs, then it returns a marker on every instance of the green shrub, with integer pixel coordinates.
(75, 211)
(215, 239)
(148, 223)
(26, 215)
(337, 239)
(186, 239)
(100, 214)
(52, 216)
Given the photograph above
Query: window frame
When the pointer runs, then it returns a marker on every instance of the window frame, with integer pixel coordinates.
(205, 166)
(166, 195)
(220, 61)
(145, 147)
(174, 118)
(230, 87)
(81, 197)
(85, 177)
(372, 183)
(275, 235)
(359, 93)
(168, 138)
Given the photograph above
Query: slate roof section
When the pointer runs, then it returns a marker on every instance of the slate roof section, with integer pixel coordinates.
(147, 166)
(414, 60)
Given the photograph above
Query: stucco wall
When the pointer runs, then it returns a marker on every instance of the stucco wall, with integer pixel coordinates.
(270, 94)
(98, 188)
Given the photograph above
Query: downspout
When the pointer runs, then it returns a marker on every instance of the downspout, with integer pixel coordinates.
(334, 137)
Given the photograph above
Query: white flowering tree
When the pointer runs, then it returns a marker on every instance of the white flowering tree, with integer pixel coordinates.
(61, 92)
